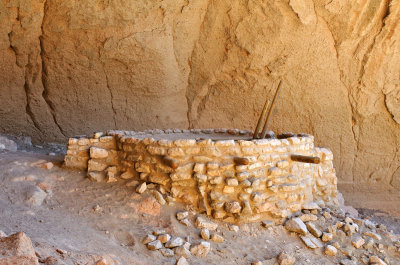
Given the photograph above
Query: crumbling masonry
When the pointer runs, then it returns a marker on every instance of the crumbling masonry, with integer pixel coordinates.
(220, 172)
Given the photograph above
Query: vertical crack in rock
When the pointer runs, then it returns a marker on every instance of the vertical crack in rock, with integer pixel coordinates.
(45, 93)
(111, 97)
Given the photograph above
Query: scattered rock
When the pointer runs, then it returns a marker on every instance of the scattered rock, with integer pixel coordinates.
(202, 222)
(326, 237)
(201, 250)
(347, 262)
(17, 249)
(358, 242)
(267, 223)
(132, 183)
(154, 245)
(174, 242)
(234, 228)
(373, 235)
(127, 175)
(97, 209)
(47, 165)
(376, 260)
(285, 259)
(205, 234)
(96, 176)
(158, 232)
(36, 196)
(311, 242)
(148, 239)
(313, 229)
(330, 250)
(311, 206)
(233, 207)
(159, 197)
(182, 251)
(296, 225)
(185, 222)
(141, 188)
(217, 238)
(164, 238)
(182, 261)
(182, 215)
(308, 217)
(166, 252)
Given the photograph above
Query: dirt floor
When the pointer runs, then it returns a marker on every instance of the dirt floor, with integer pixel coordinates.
(72, 220)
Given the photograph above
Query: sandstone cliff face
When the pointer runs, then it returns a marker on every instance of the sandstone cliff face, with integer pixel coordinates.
(73, 67)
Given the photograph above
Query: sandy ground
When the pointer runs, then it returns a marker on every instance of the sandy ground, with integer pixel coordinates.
(81, 221)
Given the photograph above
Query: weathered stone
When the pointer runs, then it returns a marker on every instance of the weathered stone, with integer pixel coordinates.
(217, 238)
(127, 175)
(141, 188)
(148, 239)
(35, 196)
(17, 249)
(202, 222)
(182, 261)
(159, 197)
(205, 234)
(376, 260)
(234, 228)
(166, 252)
(296, 225)
(232, 182)
(47, 165)
(185, 222)
(311, 206)
(313, 229)
(375, 236)
(326, 237)
(154, 245)
(233, 207)
(311, 242)
(158, 232)
(267, 223)
(201, 250)
(164, 238)
(96, 152)
(357, 242)
(285, 259)
(330, 250)
(182, 215)
(308, 217)
(182, 251)
(174, 242)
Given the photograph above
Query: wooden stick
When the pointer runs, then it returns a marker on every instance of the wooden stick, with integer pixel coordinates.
(271, 108)
(305, 159)
(261, 119)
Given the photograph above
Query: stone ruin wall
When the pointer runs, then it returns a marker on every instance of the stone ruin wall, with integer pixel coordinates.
(233, 180)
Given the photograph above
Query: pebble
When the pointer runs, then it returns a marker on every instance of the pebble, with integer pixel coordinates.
(141, 188)
(182, 215)
(174, 242)
(330, 250)
(148, 239)
(201, 250)
(158, 196)
(182, 251)
(205, 234)
(296, 225)
(201, 222)
(313, 229)
(47, 165)
(358, 242)
(285, 259)
(166, 252)
(185, 222)
(154, 245)
(164, 238)
(182, 261)
(376, 260)
(234, 228)
(217, 238)
(158, 232)
(326, 237)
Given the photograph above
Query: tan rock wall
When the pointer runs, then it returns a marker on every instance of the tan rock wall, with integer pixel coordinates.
(74, 67)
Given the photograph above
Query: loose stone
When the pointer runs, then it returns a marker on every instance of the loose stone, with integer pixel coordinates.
(326, 237)
(182, 251)
(164, 238)
(358, 242)
(267, 223)
(376, 260)
(174, 242)
(311, 242)
(185, 222)
(234, 228)
(159, 232)
(285, 259)
(205, 234)
(148, 239)
(308, 217)
(182, 215)
(158, 196)
(217, 238)
(296, 225)
(201, 222)
(154, 245)
(233, 207)
(166, 252)
(141, 188)
(313, 229)
(182, 261)
(330, 250)
(201, 250)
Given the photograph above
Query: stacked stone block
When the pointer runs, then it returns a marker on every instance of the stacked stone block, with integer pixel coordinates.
(235, 180)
